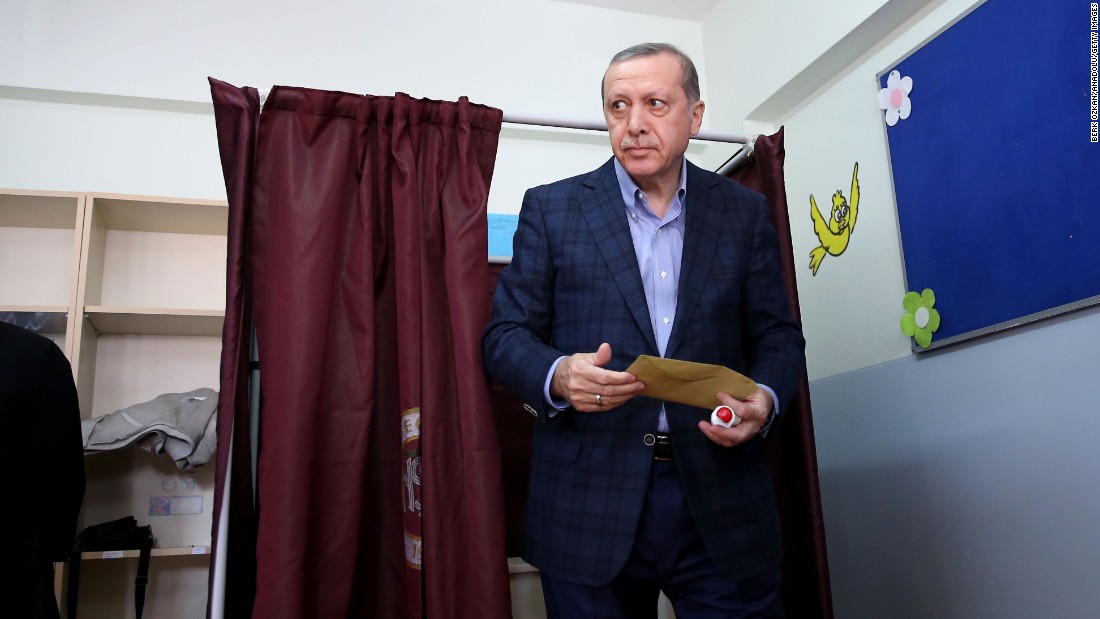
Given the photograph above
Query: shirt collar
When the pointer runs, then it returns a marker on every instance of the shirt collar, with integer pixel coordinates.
(630, 189)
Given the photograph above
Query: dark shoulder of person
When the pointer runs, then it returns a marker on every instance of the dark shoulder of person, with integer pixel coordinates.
(42, 468)
(24, 357)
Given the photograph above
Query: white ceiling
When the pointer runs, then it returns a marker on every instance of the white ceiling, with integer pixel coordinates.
(692, 10)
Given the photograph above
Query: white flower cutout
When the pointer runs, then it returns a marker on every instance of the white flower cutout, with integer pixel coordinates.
(895, 98)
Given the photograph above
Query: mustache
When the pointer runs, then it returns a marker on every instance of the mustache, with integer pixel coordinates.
(642, 141)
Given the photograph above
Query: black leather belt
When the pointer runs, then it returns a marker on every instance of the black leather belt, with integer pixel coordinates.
(662, 446)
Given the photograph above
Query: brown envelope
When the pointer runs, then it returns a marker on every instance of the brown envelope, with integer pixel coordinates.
(687, 382)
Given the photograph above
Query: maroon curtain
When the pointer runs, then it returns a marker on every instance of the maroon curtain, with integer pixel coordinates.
(806, 591)
(379, 490)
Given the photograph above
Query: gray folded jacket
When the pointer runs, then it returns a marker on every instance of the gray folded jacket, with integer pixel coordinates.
(179, 424)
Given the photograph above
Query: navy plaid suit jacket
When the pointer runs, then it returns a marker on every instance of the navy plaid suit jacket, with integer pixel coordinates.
(573, 283)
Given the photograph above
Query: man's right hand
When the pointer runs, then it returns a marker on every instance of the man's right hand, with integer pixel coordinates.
(580, 378)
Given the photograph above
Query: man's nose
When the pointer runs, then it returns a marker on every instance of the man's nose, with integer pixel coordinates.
(637, 121)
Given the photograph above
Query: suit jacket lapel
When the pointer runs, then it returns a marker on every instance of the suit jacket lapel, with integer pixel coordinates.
(606, 217)
(703, 218)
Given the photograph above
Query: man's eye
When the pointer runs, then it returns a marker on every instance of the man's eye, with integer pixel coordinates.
(618, 105)
(656, 103)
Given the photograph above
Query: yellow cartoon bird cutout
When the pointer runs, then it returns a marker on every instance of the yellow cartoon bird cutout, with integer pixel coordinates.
(835, 232)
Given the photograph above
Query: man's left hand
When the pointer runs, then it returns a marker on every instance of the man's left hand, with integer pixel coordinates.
(753, 411)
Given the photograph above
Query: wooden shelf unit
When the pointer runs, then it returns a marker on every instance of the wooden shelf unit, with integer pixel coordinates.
(40, 234)
(132, 288)
(142, 262)
(156, 552)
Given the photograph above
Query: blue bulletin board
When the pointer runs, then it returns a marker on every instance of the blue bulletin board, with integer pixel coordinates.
(996, 166)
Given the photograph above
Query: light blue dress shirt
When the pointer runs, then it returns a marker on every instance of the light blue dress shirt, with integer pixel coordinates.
(659, 245)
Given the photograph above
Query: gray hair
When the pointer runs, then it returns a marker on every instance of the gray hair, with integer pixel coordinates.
(689, 79)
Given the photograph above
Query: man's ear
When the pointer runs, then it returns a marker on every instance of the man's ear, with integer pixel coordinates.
(697, 116)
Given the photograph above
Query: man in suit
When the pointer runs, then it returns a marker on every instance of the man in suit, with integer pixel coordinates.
(41, 470)
(648, 254)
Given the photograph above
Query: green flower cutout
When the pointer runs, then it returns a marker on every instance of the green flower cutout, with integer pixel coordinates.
(920, 320)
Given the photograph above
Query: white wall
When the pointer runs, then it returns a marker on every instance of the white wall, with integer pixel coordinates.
(754, 47)
(955, 484)
(819, 82)
(502, 51)
(153, 132)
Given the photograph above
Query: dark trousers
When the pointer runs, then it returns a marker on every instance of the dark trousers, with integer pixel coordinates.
(668, 556)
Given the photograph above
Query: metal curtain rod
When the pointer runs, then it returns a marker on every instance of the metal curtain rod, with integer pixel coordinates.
(573, 123)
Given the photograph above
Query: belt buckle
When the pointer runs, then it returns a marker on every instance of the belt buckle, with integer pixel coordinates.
(662, 446)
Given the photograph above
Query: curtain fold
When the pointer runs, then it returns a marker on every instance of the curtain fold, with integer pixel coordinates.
(806, 589)
(379, 471)
(236, 115)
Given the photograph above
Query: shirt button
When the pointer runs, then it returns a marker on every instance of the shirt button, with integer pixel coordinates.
(664, 274)
(658, 231)
(665, 320)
